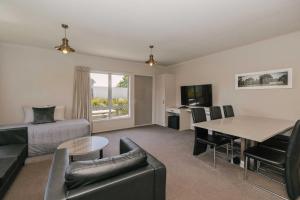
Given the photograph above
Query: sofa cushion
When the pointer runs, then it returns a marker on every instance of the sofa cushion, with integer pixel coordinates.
(87, 172)
(7, 165)
(13, 150)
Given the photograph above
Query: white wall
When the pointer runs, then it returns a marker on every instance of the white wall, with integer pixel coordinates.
(35, 76)
(220, 68)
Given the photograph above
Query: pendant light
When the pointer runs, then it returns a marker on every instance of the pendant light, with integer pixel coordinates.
(151, 60)
(65, 47)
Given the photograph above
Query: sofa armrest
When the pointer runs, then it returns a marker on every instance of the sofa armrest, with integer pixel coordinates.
(126, 145)
(55, 189)
(159, 178)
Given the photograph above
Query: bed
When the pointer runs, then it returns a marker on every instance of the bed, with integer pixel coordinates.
(45, 138)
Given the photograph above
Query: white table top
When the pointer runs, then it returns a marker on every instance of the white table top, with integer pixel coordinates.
(84, 145)
(252, 128)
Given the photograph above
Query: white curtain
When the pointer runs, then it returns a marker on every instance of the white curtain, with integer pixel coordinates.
(82, 94)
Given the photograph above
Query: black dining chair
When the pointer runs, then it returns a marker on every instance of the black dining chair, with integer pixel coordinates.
(267, 156)
(202, 136)
(215, 113)
(228, 111)
(292, 171)
(276, 144)
(286, 162)
(283, 138)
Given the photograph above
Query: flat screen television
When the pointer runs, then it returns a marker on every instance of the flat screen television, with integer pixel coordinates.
(196, 95)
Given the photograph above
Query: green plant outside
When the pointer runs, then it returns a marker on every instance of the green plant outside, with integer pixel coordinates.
(120, 105)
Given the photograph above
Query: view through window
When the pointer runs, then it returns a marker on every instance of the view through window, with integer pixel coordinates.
(110, 95)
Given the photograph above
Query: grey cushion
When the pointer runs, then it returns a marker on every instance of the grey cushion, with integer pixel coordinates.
(43, 115)
(7, 165)
(88, 172)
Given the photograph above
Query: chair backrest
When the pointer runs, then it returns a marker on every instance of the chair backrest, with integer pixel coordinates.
(198, 114)
(215, 112)
(228, 111)
(292, 171)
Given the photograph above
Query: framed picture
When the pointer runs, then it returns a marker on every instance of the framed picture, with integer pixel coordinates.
(281, 78)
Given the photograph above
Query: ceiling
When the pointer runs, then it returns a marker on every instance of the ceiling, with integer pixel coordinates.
(179, 29)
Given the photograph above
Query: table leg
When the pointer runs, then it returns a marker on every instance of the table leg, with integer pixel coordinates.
(244, 145)
(252, 163)
(101, 153)
(72, 158)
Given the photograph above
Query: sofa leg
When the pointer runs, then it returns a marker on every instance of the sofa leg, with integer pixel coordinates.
(232, 150)
(101, 153)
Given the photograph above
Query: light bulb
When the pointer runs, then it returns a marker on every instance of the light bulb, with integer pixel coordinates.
(151, 63)
(65, 51)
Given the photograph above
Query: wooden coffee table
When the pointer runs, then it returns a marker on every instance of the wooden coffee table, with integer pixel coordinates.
(84, 145)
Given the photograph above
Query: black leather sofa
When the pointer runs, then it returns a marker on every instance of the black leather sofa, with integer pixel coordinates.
(132, 175)
(13, 152)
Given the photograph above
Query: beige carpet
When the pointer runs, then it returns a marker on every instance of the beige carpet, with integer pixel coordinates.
(188, 177)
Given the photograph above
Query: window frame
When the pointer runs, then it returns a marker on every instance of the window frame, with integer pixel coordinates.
(110, 95)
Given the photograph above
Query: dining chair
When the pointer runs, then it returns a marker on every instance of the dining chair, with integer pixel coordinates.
(288, 162)
(279, 142)
(215, 113)
(283, 138)
(276, 144)
(202, 136)
(292, 171)
(228, 111)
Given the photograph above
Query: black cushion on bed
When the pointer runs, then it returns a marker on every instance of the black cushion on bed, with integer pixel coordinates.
(43, 115)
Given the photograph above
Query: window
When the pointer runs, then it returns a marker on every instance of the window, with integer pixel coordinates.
(110, 95)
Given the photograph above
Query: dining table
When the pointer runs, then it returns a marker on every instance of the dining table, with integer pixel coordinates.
(250, 129)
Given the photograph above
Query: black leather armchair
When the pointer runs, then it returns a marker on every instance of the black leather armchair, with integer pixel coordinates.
(13, 152)
(146, 181)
